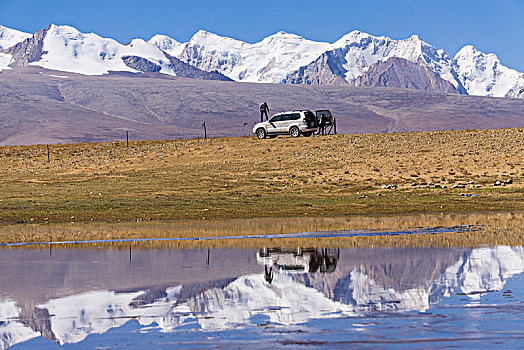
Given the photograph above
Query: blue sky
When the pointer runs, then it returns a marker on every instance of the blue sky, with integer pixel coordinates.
(490, 25)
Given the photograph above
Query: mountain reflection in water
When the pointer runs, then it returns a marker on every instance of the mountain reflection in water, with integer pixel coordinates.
(64, 295)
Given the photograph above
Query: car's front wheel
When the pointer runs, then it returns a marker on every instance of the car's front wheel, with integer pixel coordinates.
(294, 131)
(261, 133)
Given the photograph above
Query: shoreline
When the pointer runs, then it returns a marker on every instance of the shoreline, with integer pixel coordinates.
(457, 229)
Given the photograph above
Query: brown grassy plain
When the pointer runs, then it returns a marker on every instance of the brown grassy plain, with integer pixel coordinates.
(245, 177)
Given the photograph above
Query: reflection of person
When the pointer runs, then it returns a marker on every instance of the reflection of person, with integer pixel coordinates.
(268, 274)
(264, 109)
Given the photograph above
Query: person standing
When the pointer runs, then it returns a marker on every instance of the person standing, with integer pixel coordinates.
(264, 109)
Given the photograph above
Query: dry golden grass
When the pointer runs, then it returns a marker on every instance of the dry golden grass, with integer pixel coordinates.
(489, 229)
(246, 177)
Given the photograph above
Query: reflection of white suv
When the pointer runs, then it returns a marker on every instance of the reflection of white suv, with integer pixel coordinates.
(299, 260)
(291, 123)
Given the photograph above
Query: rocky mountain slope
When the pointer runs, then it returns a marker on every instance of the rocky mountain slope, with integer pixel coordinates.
(401, 73)
(322, 71)
(279, 58)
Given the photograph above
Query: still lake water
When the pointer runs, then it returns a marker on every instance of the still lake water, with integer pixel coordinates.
(408, 297)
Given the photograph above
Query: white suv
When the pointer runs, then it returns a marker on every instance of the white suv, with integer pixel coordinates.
(291, 123)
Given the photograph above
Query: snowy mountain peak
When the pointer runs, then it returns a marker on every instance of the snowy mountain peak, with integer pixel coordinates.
(284, 35)
(354, 37)
(472, 51)
(64, 30)
(204, 35)
(204, 38)
(466, 50)
(203, 32)
(163, 39)
(64, 48)
(138, 42)
(269, 60)
(482, 74)
(284, 39)
(167, 44)
(10, 37)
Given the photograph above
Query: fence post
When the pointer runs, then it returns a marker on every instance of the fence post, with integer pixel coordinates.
(48, 157)
(205, 131)
(127, 138)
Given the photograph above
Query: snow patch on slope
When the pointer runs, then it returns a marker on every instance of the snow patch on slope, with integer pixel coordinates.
(489, 268)
(366, 293)
(10, 37)
(5, 60)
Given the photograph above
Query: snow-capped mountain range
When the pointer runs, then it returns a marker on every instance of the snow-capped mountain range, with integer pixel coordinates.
(279, 58)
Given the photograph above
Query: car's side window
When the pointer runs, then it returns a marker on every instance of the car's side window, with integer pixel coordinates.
(296, 116)
(285, 117)
(276, 118)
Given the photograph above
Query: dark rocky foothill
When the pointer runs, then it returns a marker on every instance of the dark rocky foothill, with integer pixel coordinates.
(183, 69)
(400, 73)
(141, 64)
